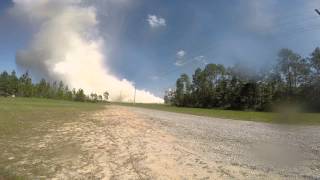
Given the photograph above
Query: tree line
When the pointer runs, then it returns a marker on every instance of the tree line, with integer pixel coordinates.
(292, 79)
(23, 86)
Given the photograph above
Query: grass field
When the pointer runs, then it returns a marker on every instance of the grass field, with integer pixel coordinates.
(17, 115)
(22, 120)
(287, 118)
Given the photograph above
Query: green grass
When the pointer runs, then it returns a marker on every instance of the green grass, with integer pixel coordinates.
(22, 119)
(268, 117)
(19, 114)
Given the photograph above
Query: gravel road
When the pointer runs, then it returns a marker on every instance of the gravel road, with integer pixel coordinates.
(241, 149)
(134, 143)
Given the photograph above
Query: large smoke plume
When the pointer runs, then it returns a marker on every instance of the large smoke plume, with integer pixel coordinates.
(67, 46)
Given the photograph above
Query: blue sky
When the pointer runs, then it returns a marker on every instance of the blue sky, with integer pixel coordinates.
(249, 32)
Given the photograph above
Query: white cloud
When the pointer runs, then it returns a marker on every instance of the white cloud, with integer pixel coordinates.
(180, 58)
(201, 59)
(181, 54)
(155, 21)
(179, 63)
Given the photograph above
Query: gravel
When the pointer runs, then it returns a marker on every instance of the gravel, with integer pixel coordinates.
(282, 150)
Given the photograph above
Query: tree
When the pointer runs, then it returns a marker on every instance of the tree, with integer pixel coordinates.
(42, 88)
(25, 87)
(169, 97)
(68, 93)
(214, 76)
(53, 91)
(13, 83)
(292, 69)
(74, 93)
(315, 62)
(4, 84)
(60, 90)
(249, 95)
(313, 89)
(100, 98)
(80, 96)
(239, 87)
(94, 97)
(183, 90)
(106, 95)
(198, 89)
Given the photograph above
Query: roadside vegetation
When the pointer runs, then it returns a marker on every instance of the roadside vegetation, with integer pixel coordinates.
(23, 86)
(288, 92)
(24, 121)
(294, 81)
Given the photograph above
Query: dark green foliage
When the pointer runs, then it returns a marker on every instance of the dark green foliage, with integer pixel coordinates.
(8, 83)
(11, 85)
(25, 86)
(293, 79)
(182, 97)
(80, 96)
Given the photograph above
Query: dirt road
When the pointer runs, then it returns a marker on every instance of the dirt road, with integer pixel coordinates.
(134, 143)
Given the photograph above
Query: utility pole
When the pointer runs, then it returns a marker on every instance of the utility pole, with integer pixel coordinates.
(317, 11)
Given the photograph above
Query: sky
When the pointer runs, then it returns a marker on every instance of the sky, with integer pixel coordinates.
(151, 42)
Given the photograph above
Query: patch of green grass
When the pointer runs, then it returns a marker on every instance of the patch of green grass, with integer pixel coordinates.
(20, 115)
(268, 117)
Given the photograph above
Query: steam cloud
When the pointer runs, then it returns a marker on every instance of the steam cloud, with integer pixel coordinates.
(67, 47)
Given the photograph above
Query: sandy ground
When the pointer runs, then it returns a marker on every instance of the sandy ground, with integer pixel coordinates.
(134, 143)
